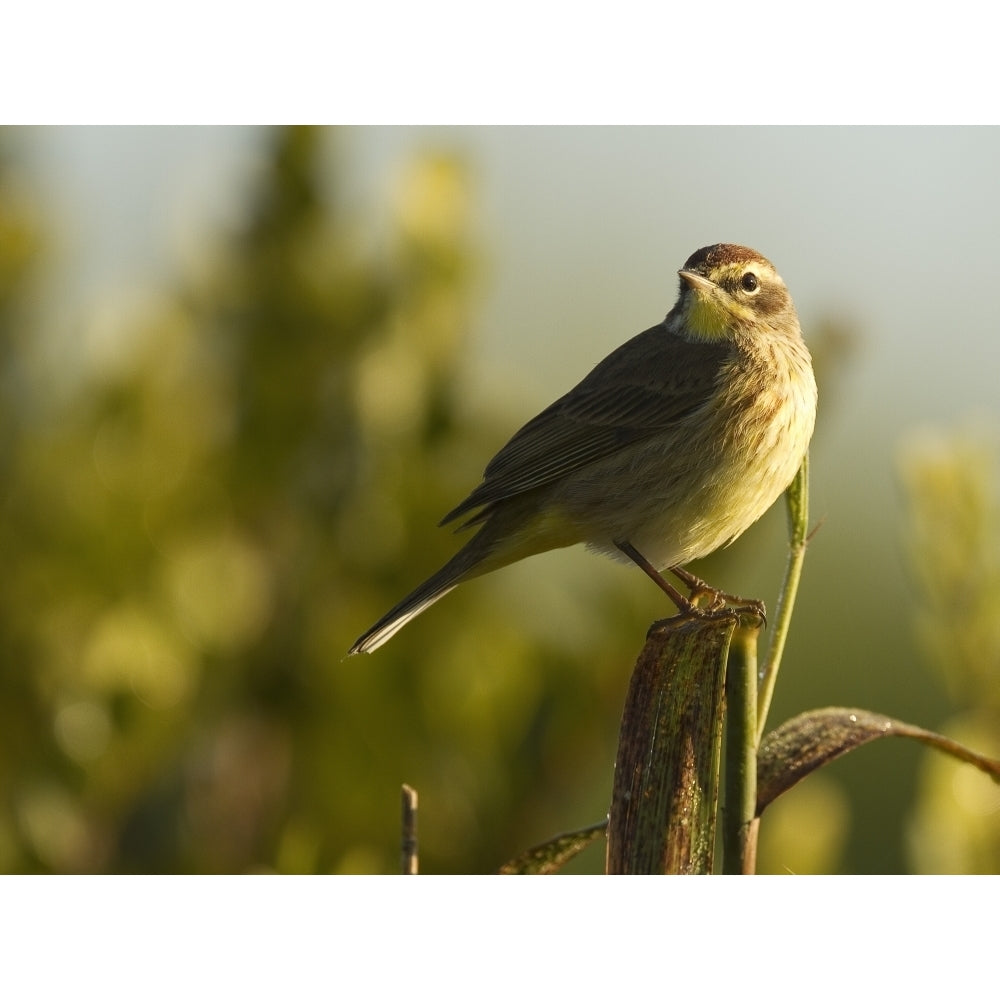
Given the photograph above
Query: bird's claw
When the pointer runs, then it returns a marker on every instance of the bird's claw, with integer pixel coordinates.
(708, 604)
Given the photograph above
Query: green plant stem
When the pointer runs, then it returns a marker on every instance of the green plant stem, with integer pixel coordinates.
(797, 499)
(738, 828)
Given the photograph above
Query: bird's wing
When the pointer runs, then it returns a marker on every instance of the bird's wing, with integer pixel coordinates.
(639, 390)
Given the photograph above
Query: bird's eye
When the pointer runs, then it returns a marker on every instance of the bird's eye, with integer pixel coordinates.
(749, 282)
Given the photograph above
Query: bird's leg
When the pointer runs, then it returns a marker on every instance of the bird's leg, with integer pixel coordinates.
(684, 605)
(720, 603)
(698, 587)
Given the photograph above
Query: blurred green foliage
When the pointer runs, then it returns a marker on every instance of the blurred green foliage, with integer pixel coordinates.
(196, 534)
(952, 484)
(230, 491)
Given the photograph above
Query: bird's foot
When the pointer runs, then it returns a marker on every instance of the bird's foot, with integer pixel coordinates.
(706, 601)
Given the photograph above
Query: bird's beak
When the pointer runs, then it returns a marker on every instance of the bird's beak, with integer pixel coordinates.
(697, 282)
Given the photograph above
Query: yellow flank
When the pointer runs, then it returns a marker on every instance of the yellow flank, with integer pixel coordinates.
(541, 531)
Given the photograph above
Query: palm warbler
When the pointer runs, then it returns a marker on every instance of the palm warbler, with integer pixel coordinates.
(670, 448)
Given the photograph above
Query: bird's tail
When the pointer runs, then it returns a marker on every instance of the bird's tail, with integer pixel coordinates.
(431, 590)
(509, 533)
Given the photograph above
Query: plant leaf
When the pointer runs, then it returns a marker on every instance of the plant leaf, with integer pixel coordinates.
(808, 741)
(553, 854)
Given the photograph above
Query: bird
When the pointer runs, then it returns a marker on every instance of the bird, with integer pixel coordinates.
(670, 448)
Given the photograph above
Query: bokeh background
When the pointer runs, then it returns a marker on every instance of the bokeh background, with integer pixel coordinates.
(246, 370)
